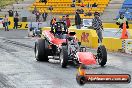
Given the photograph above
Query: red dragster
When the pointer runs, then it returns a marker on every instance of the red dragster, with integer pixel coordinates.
(64, 46)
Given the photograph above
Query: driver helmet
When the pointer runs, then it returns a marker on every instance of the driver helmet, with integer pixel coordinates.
(72, 36)
(59, 27)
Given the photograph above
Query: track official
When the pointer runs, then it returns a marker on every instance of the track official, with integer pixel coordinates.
(122, 20)
(97, 25)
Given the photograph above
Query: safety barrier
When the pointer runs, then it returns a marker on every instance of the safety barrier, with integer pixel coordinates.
(87, 37)
(21, 25)
(112, 44)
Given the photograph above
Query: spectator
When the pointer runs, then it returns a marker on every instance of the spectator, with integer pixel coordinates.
(89, 6)
(73, 1)
(44, 15)
(89, 13)
(81, 11)
(50, 8)
(37, 16)
(68, 22)
(43, 1)
(35, 10)
(64, 19)
(16, 14)
(77, 20)
(16, 22)
(10, 13)
(79, 1)
(53, 21)
(78, 10)
(127, 12)
(94, 5)
(72, 5)
(6, 23)
(97, 25)
(83, 5)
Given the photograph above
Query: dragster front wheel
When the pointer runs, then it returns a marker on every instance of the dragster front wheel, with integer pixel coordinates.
(41, 50)
(102, 55)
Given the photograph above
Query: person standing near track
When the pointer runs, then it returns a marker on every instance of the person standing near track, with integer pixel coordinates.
(6, 23)
(77, 20)
(68, 22)
(52, 24)
(97, 25)
(64, 19)
(37, 16)
(16, 14)
(16, 21)
(122, 20)
(44, 15)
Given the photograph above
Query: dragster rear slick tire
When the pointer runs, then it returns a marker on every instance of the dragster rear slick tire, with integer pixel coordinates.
(102, 55)
(41, 50)
(64, 57)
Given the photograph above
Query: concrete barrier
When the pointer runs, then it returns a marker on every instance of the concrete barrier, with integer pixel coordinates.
(21, 25)
(112, 44)
(87, 37)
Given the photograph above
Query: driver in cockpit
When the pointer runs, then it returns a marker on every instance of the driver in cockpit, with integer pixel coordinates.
(58, 30)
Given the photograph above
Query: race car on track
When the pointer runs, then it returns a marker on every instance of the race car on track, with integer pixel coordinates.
(63, 46)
